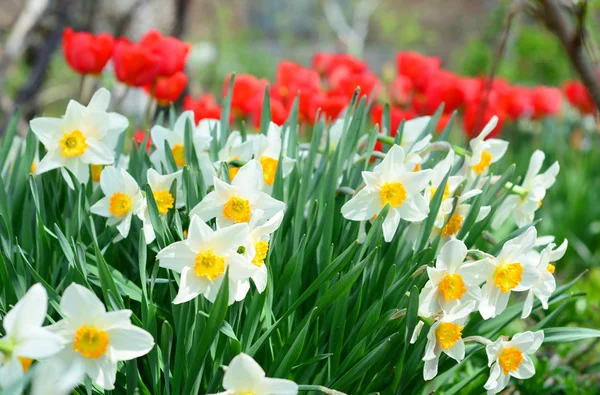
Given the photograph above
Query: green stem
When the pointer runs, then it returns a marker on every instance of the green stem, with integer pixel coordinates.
(386, 139)
(516, 189)
(6, 347)
(460, 151)
(324, 390)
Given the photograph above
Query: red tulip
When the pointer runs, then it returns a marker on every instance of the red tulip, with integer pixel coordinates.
(279, 113)
(517, 102)
(397, 115)
(87, 53)
(204, 107)
(546, 101)
(331, 105)
(417, 68)
(135, 65)
(139, 136)
(348, 82)
(579, 97)
(166, 90)
(447, 88)
(294, 81)
(400, 90)
(475, 117)
(245, 87)
(172, 52)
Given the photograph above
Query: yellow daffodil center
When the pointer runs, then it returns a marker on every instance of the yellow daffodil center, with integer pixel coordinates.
(392, 193)
(164, 201)
(453, 225)
(484, 163)
(96, 170)
(446, 192)
(233, 172)
(447, 334)
(539, 204)
(91, 342)
(73, 144)
(237, 210)
(508, 276)
(417, 167)
(452, 287)
(551, 268)
(209, 265)
(262, 248)
(510, 358)
(120, 204)
(33, 168)
(269, 166)
(25, 363)
(178, 154)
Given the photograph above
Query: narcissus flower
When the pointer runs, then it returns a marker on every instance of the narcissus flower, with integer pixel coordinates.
(511, 271)
(267, 151)
(54, 376)
(390, 183)
(171, 51)
(237, 202)
(204, 257)
(245, 376)
(122, 198)
(165, 201)
(510, 358)
(134, 64)
(484, 152)
(257, 247)
(98, 339)
(532, 192)
(453, 280)
(445, 336)
(86, 53)
(235, 150)
(546, 283)
(79, 139)
(176, 140)
(25, 337)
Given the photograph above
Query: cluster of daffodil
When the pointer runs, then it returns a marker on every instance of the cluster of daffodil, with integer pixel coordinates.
(231, 226)
(463, 281)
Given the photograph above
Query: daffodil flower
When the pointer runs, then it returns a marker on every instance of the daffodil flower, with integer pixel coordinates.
(122, 198)
(390, 183)
(453, 280)
(96, 339)
(83, 137)
(510, 358)
(484, 152)
(235, 149)
(546, 283)
(523, 206)
(203, 258)
(413, 129)
(54, 376)
(266, 151)
(161, 189)
(176, 140)
(244, 376)
(237, 202)
(257, 246)
(25, 339)
(445, 336)
(511, 272)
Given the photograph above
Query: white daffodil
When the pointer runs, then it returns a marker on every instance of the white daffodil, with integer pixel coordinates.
(445, 336)
(235, 150)
(176, 140)
(122, 198)
(83, 137)
(117, 123)
(510, 358)
(546, 283)
(122, 162)
(267, 150)
(257, 246)
(17, 148)
(237, 202)
(25, 340)
(484, 152)
(413, 129)
(511, 272)
(161, 189)
(524, 205)
(390, 183)
(56, 377)
(450, 228)
(334, 135)
(203, 258)
(245, 376)
(97, 339)
(453, 280)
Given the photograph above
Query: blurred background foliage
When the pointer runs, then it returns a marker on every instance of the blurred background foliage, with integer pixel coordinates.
(253, 36)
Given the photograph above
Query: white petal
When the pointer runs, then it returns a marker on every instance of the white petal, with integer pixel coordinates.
(39, 343)
(124, 226)
(250, 177)
(243, 372)
(535, 165)
(47, 130)
(29, 313)
(52, 160)
(209, 207)
(416, 181)
(530, 277)
(430, 369)
(452, 255)
(492, 350)
(414, 209)
(102, 207)
(525, 370)
(260, 278)
(199, 233)
(100, 100)
(176, 256)
(363, 206)
(390, 224)
(102, 370)
(78, 301)
(527, 305)
(129, 342)
(474, 273)
(269, 386)
(98, 153)
(190, 286)
(457, 351)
